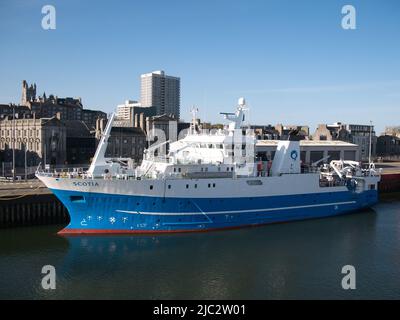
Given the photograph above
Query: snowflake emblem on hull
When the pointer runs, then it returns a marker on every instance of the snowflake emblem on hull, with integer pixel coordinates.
(112, 220)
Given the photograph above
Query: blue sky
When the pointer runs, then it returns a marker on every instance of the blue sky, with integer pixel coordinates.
(291, 59)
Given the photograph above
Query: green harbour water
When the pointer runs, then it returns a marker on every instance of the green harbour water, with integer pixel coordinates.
(297, 260)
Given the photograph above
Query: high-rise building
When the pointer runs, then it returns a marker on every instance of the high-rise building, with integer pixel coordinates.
(128, 113)
(124, 110)
(162, 92)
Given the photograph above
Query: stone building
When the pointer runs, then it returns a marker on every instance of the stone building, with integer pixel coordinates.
(40, 140)
(266, 132)
(10, 109)
(392, 131)
(81, 143)
(388, 146)
(329, 132)
(28, 93)
(130, 142)
(283, 131)
(166, 123)
(47, 107)
(353, 133)
(126, 142)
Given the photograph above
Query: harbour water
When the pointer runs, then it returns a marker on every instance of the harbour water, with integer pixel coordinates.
(297, 260)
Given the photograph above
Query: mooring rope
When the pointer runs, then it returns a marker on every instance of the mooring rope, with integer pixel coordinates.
(4, 198)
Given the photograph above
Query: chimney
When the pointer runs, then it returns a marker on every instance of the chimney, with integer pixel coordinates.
(141, 121)
(136, 122)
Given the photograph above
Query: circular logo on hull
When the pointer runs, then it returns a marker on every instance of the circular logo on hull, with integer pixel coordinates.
(294, 155)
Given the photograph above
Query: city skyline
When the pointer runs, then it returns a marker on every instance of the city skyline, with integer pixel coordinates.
(292, 62)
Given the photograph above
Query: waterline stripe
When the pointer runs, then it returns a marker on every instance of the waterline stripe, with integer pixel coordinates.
(237, 211)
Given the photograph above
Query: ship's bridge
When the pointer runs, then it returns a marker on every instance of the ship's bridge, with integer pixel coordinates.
(211, 148)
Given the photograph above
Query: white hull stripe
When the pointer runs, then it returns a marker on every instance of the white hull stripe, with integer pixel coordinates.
(237, 211)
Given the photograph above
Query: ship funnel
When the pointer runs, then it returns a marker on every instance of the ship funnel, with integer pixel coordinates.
(287, 158)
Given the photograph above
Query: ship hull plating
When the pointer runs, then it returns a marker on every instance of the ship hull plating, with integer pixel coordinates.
(92, 212)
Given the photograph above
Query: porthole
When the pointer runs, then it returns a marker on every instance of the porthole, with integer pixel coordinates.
(151, 187)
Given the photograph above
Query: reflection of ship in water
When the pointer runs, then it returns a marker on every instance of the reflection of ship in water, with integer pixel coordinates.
(279, 261)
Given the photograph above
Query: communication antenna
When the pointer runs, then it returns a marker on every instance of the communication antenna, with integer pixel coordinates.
(194, 112)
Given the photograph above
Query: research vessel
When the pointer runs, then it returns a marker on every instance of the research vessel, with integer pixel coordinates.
(207, 181)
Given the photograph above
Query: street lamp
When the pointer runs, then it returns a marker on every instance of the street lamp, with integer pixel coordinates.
(13, 134)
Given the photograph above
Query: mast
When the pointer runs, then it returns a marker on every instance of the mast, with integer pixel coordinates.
(370, 143)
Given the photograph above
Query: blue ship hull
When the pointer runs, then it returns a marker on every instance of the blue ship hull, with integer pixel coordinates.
(111, 213)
